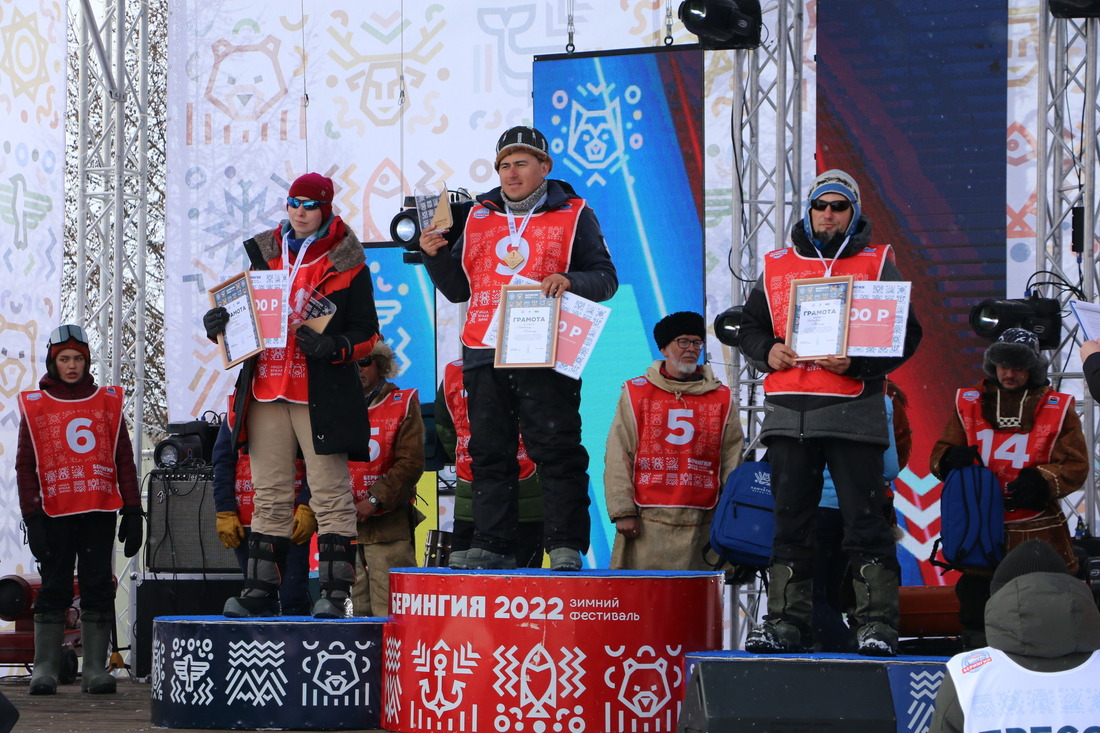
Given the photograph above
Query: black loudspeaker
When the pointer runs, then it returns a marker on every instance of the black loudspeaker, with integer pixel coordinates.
(787, 696)
(9, 716)
(175, 597)
(183, 536)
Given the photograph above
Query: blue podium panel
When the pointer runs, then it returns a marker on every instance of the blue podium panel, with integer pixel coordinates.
(275, 673)
(737, 691)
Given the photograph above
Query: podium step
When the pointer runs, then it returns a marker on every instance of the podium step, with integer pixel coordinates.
(533, 650)
(278, 673)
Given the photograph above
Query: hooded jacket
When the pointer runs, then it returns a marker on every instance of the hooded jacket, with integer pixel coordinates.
(337, 410)
(591, 272)
(861, 418)
(1045, 622)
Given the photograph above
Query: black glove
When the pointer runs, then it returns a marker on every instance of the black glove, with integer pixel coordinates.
(214, 322)
(959, 456)
(316, 345)
(1029, 490)
(38, 537)
(130, 530)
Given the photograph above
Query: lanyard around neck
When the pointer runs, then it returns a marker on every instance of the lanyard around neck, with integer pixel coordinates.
(514, 233)
(300, 258)
(830, 263)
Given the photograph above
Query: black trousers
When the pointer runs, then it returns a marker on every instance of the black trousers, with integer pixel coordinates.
(84, 543)
(797, 476)
(546, 406)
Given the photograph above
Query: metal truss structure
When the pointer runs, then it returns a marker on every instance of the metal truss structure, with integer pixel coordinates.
(1066, 153)
(111, 207)
(111, 195)
(767, 142)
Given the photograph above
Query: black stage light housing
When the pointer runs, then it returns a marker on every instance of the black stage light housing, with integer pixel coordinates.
(405, 227)
(727, 325)
(188, 443)
(1075, 8)
(723, 24)
(1041, 316)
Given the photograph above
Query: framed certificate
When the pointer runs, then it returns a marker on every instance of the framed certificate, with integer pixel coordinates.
(528, 329)
(242, 337)
(817, 319)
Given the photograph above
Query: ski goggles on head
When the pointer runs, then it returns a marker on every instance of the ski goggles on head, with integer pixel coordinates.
(838, 206)
(61, 334)
(308, 205)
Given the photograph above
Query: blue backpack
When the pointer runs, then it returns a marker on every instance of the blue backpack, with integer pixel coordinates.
(972, 520)
(743, 526)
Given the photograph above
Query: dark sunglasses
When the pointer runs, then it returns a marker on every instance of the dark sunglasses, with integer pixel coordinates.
(366, 361)
(837, 206)
(307, 205)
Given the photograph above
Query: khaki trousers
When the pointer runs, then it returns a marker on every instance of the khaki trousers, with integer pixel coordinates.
(370, 596)
(276, 431)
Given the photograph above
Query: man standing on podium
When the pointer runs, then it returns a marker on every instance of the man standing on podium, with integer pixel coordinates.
(825, 412)
(540, 229)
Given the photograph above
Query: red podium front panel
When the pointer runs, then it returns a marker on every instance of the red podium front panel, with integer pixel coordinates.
(532, 650)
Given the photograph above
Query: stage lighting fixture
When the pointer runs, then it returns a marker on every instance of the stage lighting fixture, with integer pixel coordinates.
(405, 227)
(723, 24)
(1075, 8)
(727, 326)
(188, 443)
(1041, 316)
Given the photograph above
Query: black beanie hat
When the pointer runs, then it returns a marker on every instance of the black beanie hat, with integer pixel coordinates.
(677, 324)
(1032, 556)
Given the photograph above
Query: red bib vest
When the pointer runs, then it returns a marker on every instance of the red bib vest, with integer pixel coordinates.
(385, 420)
(1005, 452)
(679, 452)
(281, 372)
(74, 446)
(455, 396)
(245, 492)
(783, 266)
(546, 247)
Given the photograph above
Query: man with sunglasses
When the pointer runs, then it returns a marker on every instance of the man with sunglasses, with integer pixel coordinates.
(305, 396)
(538, 228)
(826, 412)
(675, 438)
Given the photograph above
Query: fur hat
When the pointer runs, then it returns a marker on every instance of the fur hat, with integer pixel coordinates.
(1017, 348)
(68, 336)
(834, 181)
(317, 187)
(520, 138)
(382, 355)
(1032, 556)
(678, 324)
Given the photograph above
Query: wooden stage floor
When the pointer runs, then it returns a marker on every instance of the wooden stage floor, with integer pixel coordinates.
(71, 711)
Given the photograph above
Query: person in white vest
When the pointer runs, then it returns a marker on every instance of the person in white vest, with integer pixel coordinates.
(76, 474)
(384, 487)
(541, 229)
(675, 438)
(1041, 668)
(825, 412)
(1030, 436)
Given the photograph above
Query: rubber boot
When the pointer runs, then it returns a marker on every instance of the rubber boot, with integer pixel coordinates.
(95, 634)
(266, 566)
(787, 626)
(49, 634)
(876, 613)
(336, 572)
